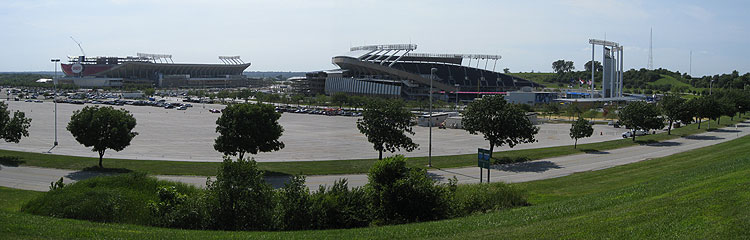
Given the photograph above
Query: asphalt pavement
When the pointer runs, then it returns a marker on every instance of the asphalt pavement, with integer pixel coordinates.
(39, 179)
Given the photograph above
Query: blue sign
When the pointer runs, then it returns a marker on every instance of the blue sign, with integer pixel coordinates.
(483, 158)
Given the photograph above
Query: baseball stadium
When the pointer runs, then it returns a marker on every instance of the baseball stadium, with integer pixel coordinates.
(152, 69)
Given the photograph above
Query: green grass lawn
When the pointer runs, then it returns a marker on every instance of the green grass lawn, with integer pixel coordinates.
(326, 167)
(666, 79)
(699, 194)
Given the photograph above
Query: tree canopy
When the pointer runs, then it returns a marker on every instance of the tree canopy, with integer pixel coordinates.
(561, 66)
(384, 122)
(580, 129)
(675, 108)
(248, 128)
(597, 66)
(641, 116)
(102, 128)
(13, 129)
(499, 121)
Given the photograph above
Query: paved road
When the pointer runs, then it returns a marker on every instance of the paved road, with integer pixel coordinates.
(33, 178)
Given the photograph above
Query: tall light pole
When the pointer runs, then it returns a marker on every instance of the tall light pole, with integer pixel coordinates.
(54, 99)
(710, 90)
(456, 97)
(430, 122)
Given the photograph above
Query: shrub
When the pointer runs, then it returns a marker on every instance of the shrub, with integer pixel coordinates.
(120, 198)
(240, 198)
(177, 210)
(473, 198)
(340, 207)
(293, 209)
(400, 194)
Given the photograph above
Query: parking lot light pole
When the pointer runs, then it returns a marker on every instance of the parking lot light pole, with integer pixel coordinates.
(54, 100)
(430, 122)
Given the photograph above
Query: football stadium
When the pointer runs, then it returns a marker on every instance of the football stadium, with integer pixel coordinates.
(152, 69)
(396, 70)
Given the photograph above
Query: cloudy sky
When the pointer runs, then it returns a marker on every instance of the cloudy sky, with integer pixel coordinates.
(303, 35)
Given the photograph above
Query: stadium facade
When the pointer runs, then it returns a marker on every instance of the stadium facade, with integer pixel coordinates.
(396, 71)
(152, 69)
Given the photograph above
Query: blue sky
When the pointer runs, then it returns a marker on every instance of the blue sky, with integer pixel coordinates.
(303, 35)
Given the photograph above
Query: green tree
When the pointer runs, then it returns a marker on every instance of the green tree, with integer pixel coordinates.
(705, 107)
(340, 99)
(499, 121)
(597, 66)
(562, 66)
(102, 128)
(250, 128)
(641, 115)
(12, 129)
(675, 108)
(580, 129)
(551, 108)
(149, 92)
(506, 70)
(384, 123)
(240, 198)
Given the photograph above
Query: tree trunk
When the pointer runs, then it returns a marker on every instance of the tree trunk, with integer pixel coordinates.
(242, 154)
(101, 155)
(699, 123)
(634, 131)
(575, 145)
(380, 157)
(492, 149)
(718, 121)
(669, 130)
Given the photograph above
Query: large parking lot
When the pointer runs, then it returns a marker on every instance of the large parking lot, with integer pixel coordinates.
(188, 135)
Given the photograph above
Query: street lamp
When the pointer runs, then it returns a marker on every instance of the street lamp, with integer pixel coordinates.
(430, 122)
(710, 90)
(54, 99)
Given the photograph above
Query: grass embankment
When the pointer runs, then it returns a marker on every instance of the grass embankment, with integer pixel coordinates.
(669, 80)
(699, 194)
(332, 166)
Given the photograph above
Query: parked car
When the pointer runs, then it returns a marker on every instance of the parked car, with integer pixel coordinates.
(639, 132)
(214, 110)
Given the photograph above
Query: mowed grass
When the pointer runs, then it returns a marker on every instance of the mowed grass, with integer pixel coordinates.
(699, 194)
(156, 167)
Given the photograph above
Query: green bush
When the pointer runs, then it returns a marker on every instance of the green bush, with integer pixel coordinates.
(340, 207)
(120, 198)
(400, 194)
(177, 210)
(473, 198)
(240, 198)
(293, 208)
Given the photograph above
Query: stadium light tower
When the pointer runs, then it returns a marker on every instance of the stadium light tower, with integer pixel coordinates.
(55, 61)
(432, 76)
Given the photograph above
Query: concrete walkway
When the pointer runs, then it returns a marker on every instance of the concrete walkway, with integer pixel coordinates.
(39, 179)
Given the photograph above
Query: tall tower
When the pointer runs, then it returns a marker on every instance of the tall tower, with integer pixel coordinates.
(651, 50)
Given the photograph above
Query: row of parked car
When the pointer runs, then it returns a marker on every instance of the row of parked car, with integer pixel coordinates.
(120, 102)
(319, 111)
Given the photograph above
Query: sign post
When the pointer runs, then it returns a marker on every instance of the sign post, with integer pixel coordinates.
(483, 161)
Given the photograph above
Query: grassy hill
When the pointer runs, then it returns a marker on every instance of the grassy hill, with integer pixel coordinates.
(699, 194)
(669, 80)
(539, 78)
